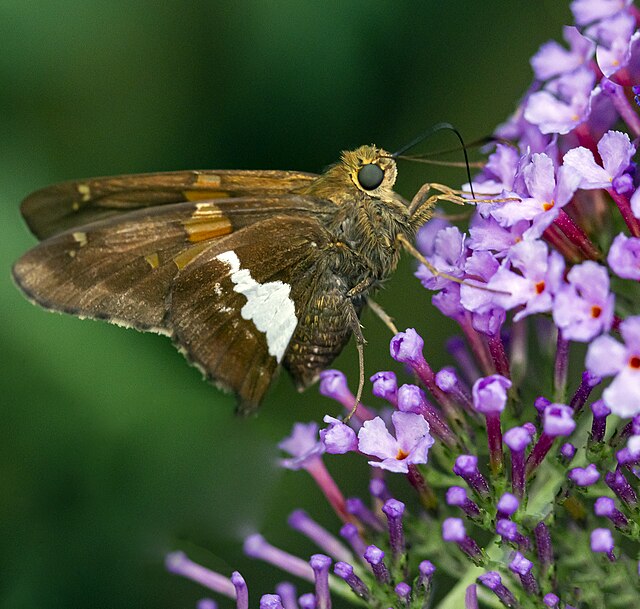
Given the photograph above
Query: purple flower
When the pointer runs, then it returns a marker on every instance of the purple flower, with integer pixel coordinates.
(601, 540)
(584, 476)
(568, 451)
(302, 445)
(586, 12)
(338, 438)
(410, 446)
(517, 438)
(333, 384)
(553, 59)
(481, 265)
(453, 530)
(558, 420)
(427, 234)
(563, 104)
(605, 506)
(624, 255)
(507, 505)
(499, 172)
(583, 308)
(546, 196)
(520, 565)
(617, 39)
(525, 133)
(490, 393)
(406, 347)
(493, 581)
(270, 601)
(616, 151)
(485, 233)
(538, 276)
(448, 257)
(385, 386)
(179, 564)
(607, 357)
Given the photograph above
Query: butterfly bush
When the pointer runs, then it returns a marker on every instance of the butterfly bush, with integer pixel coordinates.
(523, 456)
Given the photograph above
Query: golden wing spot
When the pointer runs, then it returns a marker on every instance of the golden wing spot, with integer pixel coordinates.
(207, 222)
(184, 258)
(204, 195)
(209, 179)
(153, 260)
(85, 192)
(80, 238)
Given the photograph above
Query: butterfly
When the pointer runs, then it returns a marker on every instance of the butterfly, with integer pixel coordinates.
(245, 271)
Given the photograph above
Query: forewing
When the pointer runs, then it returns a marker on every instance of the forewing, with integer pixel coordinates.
(58, 208)
(235, 307)
(121, 269)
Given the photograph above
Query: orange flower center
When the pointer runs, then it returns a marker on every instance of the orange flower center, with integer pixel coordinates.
(548, 205)
(596, 311)
(634, 362)
(540, 287)
(401, 455)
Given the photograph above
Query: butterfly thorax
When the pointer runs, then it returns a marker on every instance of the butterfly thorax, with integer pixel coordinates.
(363, 223)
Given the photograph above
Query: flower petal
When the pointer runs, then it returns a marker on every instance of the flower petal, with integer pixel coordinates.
(410, 429)
(630, 330)
(374, 439)
(539, 177)
(591, 174)
(623, 395)
(616, 151)
(606, 356)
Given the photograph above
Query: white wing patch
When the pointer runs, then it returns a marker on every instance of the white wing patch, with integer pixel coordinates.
(268, 305)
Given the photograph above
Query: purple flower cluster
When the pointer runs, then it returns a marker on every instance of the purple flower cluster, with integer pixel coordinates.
(518, 465)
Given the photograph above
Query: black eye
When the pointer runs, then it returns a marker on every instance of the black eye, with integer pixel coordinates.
(370, 176)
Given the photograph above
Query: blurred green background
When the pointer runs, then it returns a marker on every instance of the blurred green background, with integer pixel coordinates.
(112, 450)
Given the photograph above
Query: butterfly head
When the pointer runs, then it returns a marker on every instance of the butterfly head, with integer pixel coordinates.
(372, 170)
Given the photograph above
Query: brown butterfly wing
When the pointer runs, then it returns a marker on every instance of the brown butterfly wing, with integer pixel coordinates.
(121, 269)
(235, 307)
(158, 269)
(60, 207)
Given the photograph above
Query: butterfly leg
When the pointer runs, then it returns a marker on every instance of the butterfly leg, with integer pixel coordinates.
(354, 322)
(424, 201)
(422, 204)
(411, 249)
(382, 315)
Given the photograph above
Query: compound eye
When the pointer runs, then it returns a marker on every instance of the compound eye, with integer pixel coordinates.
(370, 176)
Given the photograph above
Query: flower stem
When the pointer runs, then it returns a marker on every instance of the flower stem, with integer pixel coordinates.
(561, 369)
(478, 347)
(494, 437)
(499, 355)
(559, 241)
(425, 493)
(539, 452)
(577, 236)
(330, 489)
(622, 201)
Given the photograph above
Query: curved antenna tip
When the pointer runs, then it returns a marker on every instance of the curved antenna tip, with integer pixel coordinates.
(434, 129)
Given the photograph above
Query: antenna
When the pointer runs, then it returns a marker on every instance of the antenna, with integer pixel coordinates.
(428, 133)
